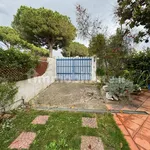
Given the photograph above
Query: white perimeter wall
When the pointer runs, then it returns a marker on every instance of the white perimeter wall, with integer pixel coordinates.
(28, 89)
(94, 68)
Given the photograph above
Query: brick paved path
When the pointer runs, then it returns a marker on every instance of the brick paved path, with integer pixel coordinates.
(23, 141)
(136, 129)
(40, 120)
(91, 143)
(89, 122)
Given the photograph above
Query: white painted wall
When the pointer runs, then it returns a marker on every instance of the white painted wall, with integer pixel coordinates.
(94, 68)
(28, 89)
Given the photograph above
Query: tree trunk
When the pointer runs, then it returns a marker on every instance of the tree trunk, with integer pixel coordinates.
(50, 50)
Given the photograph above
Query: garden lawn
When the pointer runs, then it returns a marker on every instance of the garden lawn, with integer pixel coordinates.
(63, 131)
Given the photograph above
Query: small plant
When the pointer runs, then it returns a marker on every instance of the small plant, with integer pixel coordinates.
(120, 87)
(7, 124)
(61, 144)
(100, 72)
(8, 91)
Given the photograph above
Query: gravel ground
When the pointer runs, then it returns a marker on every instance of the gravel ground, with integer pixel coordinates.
(71, 95)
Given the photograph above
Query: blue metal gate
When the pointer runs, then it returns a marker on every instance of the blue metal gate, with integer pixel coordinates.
(75, 69)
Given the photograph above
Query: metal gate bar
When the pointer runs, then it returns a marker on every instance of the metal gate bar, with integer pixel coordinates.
(74, 68)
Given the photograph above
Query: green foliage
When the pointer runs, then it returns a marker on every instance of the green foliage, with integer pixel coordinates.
(135, 14)
(7, 93)
(65, 125)
(11, 38)
(59, 145)
(100, 72)
(120, 87)
(98, 47)
(44, 27)
(14, 64)
(138, 66)
(111, 52)
(7, 124)
(75, 49)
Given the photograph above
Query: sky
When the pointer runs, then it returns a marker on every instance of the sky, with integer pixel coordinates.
(99, 8)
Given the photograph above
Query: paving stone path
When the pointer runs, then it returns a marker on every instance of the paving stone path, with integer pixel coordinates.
(136, 130)
(23, 141)
(91, 143)
(89, 122)
(40, 120)
(135, 127)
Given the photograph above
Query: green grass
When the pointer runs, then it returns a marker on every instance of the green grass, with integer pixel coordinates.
(63, 131)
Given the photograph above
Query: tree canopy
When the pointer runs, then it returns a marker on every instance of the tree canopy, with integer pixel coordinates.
(75, 49)
(135, 13)
(110, 51)
(43, 27)
(10, 38)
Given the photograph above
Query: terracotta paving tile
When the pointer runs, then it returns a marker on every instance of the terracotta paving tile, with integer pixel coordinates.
(142, 98)
(141, 148)
(145, 132)
(117, 119)
(146, 103)
(89, 122)
(147, 94)
(131, 132)
(136, 120)
(40, 120)
(91, 143)
(131, 125)
(123, 117)
(148, 119)
(142, 141)
(131, 143)
(143, 117)
(123, 129)
(137, 103)
(146, 125)
(23, 141)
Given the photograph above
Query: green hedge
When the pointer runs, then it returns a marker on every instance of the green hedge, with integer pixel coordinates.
(15, 65)
(138, 66)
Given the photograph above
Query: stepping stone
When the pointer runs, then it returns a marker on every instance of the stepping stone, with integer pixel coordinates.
(40, 120)
(89, 122)
(91, 143)
(23, 141)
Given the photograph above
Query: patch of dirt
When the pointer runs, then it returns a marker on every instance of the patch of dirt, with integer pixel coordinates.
(74, 95)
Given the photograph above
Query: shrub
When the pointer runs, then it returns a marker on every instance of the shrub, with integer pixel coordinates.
(7, 93)
(120, 87)
(15, 64)
(100, 72)
(138, 65)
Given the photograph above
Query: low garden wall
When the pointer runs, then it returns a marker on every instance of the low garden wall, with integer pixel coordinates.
(28, 89)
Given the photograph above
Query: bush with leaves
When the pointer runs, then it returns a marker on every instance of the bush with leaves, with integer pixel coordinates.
(7, 124)
(8, 91)
(138, 68)
(120, 87)
(14, 64)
